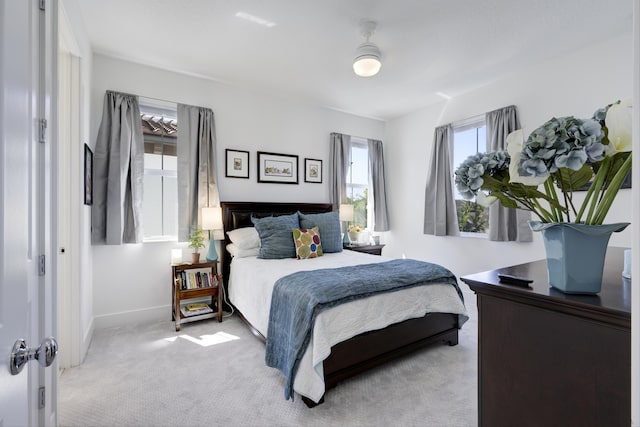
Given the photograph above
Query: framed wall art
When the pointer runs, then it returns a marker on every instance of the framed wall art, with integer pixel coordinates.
(88, 175)
(625, 184)
(313, 170)
(277, 168)
(237, 164)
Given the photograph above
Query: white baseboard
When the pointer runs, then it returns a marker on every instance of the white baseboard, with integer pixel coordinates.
(124, 318)
(86, 341)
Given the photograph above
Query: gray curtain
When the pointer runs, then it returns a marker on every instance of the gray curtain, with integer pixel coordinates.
(197, 186)
(505, 224)
(440, 217)
(116, 215)
(376, 166)
(338, 168)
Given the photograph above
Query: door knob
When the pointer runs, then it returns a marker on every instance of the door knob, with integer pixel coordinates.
(44, 354)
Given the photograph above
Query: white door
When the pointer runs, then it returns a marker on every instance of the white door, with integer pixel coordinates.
(25, 218)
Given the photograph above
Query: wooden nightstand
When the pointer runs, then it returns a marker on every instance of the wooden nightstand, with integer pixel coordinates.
(187, 284)
(368, 249)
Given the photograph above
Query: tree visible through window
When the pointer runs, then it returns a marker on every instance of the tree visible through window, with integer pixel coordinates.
(358, 183)
(160, 199)
(469, 138)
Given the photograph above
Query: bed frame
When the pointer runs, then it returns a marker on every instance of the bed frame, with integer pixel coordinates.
(363, 351)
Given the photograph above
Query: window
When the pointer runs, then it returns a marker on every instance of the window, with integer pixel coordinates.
(469, 138)
(358, 183)
(160, 201)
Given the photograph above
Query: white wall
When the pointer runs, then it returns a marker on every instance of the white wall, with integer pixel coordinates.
(83, 256)
(576, 84)
(132, 282)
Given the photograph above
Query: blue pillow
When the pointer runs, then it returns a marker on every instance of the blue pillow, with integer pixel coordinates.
(276, 237)
(329, 225)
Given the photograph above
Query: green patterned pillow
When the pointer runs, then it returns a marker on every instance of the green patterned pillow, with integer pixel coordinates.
(307, 241)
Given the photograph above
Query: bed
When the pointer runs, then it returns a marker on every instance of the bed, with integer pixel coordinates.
(338, 357)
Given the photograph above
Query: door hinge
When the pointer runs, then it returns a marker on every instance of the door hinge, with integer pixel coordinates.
(42, 4)
(41, 265)
(41, 398)
(42, 124)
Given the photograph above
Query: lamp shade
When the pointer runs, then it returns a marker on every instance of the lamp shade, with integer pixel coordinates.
(211, 219)
(346, 212)
(367, 62)
(176, 256)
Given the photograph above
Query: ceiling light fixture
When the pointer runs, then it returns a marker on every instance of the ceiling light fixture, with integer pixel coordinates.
(367, 62)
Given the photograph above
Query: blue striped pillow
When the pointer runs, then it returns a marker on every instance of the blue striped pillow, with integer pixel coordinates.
(276, 237)
(329, 225)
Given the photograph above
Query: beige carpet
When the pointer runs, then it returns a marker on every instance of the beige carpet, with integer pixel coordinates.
(213, 374)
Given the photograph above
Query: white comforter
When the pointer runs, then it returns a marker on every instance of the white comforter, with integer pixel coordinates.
(251, 284)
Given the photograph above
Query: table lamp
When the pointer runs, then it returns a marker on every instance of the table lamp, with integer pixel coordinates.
(346, 215)
(176, 256)
(212, 221)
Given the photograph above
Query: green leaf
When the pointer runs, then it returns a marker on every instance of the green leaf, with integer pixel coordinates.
(498, 188)
(530, 192)
(573, 180)
(618, 161)
(506, 201)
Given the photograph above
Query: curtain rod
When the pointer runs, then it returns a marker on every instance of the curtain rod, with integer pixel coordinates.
(356, 136)
(163, 101)
(457, 124)
(144, 96)
(470, 120)
(360, 137)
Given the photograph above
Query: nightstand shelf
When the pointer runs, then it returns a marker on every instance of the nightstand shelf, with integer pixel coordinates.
(368, 249)
(179, 295)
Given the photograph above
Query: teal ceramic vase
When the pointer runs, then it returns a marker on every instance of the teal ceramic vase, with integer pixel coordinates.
(575, 254)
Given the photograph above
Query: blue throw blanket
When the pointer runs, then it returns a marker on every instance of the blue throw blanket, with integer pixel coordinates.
(299, 297)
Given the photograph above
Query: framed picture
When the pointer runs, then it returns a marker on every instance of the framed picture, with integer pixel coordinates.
(278, 168)
(312, 170)
(237, 164)
(625, 184)
(88, 175)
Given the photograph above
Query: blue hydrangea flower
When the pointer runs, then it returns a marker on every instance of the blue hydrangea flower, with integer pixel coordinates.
(565, 142)
(533, 167)
(469, 175)
(572, 160)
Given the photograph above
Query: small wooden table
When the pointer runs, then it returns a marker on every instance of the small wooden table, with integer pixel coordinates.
(185, 294)
(546, 358)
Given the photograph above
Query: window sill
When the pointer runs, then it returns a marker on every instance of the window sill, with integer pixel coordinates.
(474, 235)
(160, 239)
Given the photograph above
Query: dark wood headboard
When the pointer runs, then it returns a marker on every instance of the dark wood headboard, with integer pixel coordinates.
(238, 215)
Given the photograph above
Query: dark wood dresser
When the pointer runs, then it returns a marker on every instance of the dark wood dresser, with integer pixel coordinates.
(550, 359)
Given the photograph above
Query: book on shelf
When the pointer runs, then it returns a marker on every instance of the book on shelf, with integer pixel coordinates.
(196, 279)
(195, 309)
(196, 306)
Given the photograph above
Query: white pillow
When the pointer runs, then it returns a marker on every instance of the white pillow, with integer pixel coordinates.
(244, 238)
(236, 252)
